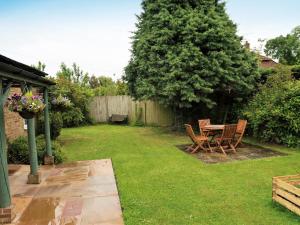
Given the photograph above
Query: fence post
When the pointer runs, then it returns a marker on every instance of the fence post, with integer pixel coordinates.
(106, 104)
(145, 113)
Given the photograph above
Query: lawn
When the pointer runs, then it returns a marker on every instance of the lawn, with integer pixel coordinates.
(159, 185)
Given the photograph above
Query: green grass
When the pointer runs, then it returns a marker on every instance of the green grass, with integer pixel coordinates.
(159, 185)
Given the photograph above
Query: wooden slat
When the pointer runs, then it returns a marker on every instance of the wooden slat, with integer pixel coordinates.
(288, 177)
(292, 198)
(294, 182)
(287, 204)
(287, 186)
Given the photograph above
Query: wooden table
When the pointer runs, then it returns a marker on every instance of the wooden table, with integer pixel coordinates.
(213, 130)
(214, 127)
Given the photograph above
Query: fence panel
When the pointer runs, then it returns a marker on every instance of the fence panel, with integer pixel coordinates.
(142, 112)
(98, 109)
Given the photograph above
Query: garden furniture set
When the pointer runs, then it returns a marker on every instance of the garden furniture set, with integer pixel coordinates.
(223, 137)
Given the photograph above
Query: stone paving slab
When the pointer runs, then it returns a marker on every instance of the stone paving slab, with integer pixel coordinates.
(244, 152)
(77, 193)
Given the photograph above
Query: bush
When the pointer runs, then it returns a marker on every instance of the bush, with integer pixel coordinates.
(265, 73)
(56, 124)
(18, 151)
(73, 117)
(72, 84)
(273, 113)
(296, 71)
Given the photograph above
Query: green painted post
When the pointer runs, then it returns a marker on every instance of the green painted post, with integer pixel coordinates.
(32, 147)
(5, 199)
(47, 124)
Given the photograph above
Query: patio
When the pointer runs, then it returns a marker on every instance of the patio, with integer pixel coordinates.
(245, 152)
(81, 193)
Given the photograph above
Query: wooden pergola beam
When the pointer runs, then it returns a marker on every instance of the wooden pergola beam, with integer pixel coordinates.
(22, 78)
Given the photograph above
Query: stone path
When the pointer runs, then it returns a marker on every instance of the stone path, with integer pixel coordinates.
(78, 193)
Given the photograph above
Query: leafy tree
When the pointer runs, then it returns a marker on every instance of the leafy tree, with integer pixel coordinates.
(106, 86)
(122, 88)
(106, 81)
(285, 48)
(187, 52)
(94, 81)
(72, 82)
(73, 74)
(40, 66)
(273, 112)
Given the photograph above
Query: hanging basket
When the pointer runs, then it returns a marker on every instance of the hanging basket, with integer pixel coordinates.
(27, 115)
(27, 105)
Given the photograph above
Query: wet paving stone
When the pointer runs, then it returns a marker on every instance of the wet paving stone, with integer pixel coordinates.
(77, 193)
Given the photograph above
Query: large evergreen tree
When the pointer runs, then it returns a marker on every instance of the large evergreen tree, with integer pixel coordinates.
(186, 52)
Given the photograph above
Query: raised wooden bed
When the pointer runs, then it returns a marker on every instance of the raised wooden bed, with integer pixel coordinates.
(286, 191)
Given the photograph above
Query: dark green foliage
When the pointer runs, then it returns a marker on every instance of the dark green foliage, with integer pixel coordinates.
(18, 152)
(296, 72)
(104, 86)
(273, 113)
(56, 124)
(73, 84)
(265, 73)
(187, 54)
(73, 117)
(285, 48)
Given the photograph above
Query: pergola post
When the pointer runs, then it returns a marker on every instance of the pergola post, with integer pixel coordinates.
(34, 176)
(6, 214)
(18, 74)
(48, 159)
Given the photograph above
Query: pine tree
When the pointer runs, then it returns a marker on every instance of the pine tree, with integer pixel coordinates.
(186, 52)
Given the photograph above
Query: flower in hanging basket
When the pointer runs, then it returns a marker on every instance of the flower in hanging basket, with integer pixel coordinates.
(61, 101)
(27, 105)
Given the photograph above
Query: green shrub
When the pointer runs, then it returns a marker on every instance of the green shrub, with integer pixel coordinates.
(296, 71)
(56, 124)
(73, 117)
(273, 113)
(18, 151)
(265, 73)
(72, 83)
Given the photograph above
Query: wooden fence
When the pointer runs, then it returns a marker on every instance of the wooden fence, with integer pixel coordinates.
(139, 112)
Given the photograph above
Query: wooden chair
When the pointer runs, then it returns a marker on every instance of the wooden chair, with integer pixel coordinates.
(240, 130)
(198, 141)
(202, 123)
(227, 138)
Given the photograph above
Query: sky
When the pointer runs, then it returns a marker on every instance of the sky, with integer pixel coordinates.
(96, 33)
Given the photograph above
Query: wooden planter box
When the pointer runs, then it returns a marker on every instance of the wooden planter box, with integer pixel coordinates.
(286, 191)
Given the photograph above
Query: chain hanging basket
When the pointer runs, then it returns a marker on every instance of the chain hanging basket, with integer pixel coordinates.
(27, 105)
(27, 115)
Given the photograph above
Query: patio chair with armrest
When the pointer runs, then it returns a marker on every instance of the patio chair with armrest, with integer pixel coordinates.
(240, 130)
(198, 141)
(202, 123)
(226, 139)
